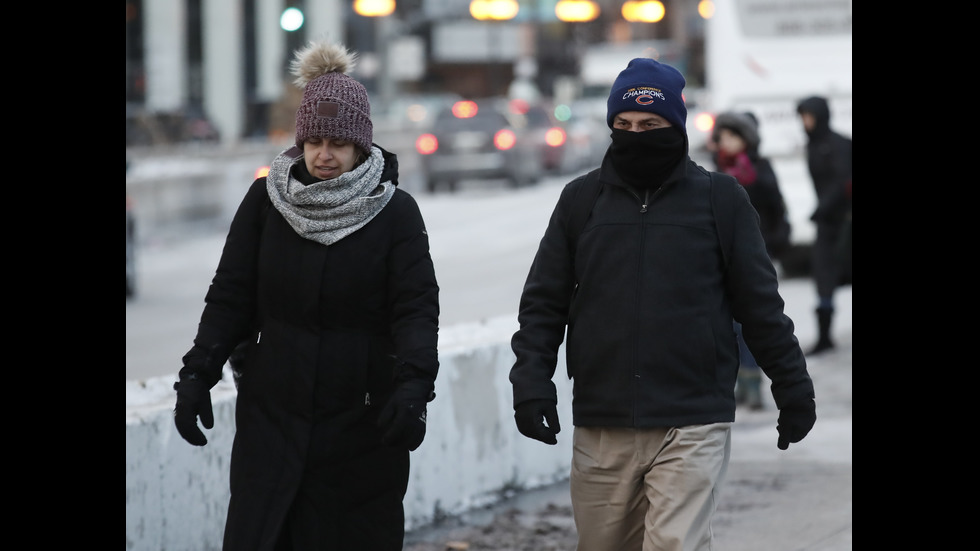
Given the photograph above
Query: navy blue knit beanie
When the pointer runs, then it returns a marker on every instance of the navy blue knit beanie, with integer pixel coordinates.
(647, 85)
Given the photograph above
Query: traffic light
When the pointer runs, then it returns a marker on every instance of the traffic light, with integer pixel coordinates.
(374, 8)
(291, 19)
(495, 10)
(643, 11)
(576, 11)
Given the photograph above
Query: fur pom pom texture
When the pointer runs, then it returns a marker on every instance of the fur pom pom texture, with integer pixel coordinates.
(334, 105)
(319, 58)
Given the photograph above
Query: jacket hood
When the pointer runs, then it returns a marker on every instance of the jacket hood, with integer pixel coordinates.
(390, 172)
(820, 109)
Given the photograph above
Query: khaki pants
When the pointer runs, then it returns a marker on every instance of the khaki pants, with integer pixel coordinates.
(647, 489)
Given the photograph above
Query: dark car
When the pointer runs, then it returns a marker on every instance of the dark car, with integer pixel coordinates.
(545, 133)
(130, 249)
(476, 140)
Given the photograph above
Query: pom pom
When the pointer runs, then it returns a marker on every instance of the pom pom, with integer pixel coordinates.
(319, 58)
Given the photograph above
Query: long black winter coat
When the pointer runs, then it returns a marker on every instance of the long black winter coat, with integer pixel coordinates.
(328, 326)
(829, 160)
(649, 308)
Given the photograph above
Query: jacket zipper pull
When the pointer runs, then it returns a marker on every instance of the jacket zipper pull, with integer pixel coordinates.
(367, 398)
(646, 201)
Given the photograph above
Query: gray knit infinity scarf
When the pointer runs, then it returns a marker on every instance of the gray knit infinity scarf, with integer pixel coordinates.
(329, 210)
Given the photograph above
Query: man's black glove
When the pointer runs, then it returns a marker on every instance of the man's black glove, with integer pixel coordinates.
(193, 400)
(532, 414)
(795, 421)
(403, 417)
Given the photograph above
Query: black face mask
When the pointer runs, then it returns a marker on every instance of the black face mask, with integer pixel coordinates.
(646, 159)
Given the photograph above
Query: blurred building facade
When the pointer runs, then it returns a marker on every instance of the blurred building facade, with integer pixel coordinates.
(217, 70)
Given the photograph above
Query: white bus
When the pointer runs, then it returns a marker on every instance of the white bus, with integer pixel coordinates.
(764, 56)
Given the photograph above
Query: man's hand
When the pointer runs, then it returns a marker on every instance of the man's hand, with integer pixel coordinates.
(531, 416)
(795, 421)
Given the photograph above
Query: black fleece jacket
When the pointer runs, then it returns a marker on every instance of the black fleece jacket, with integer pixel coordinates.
(648, 308)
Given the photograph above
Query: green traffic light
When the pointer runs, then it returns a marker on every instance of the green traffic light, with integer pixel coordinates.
(291, 19)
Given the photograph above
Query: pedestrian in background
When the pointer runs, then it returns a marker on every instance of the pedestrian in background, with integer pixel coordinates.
(326, 272)
(738, 142)
(736, 139)
(647, 304)
(828, 156)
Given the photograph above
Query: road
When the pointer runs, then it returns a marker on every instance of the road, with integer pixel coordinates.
(482, 241)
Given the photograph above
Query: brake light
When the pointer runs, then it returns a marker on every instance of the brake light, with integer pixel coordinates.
(261, 171)
(704, 122)
(519, 106)
(426, 144)
(504, 139)
(555, 136)
(465, 109)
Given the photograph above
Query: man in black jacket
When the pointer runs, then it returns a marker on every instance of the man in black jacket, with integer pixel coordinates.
(647, 298)
(828, 156)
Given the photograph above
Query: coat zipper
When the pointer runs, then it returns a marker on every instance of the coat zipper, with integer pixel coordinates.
(644, 207)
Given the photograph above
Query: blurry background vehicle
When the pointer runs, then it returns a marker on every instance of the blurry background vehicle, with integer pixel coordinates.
(765, 61)
(130, 249)
(544, 132)
(411, 111)
(587, 135)
(475, 139)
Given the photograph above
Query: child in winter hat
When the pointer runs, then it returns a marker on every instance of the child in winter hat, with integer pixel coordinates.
(648, 85)
(334, 105)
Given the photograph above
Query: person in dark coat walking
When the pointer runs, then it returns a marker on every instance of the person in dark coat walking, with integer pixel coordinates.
(326, 273)
(736, 143)
(828, 156)
(647, 302)
(737, 140)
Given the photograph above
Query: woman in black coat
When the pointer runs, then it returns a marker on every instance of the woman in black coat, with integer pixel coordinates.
(326, 274)
(736, 142)
(743, 161)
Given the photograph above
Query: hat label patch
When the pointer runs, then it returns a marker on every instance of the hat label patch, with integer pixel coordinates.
(644, 95)
(328, 109)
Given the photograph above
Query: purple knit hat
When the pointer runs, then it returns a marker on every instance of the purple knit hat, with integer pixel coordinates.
(334, 105)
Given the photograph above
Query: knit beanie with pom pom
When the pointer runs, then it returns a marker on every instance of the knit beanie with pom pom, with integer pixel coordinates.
(334, 105)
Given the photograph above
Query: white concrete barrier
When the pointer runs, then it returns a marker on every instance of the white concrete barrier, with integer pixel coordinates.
(177, 494)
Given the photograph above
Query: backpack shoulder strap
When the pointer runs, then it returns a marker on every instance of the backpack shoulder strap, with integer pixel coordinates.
(723, 210)
(582, 203)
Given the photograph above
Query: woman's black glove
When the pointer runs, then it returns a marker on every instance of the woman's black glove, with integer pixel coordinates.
(403, 417)
(193, 400)
(795, 421)
(532, 414)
